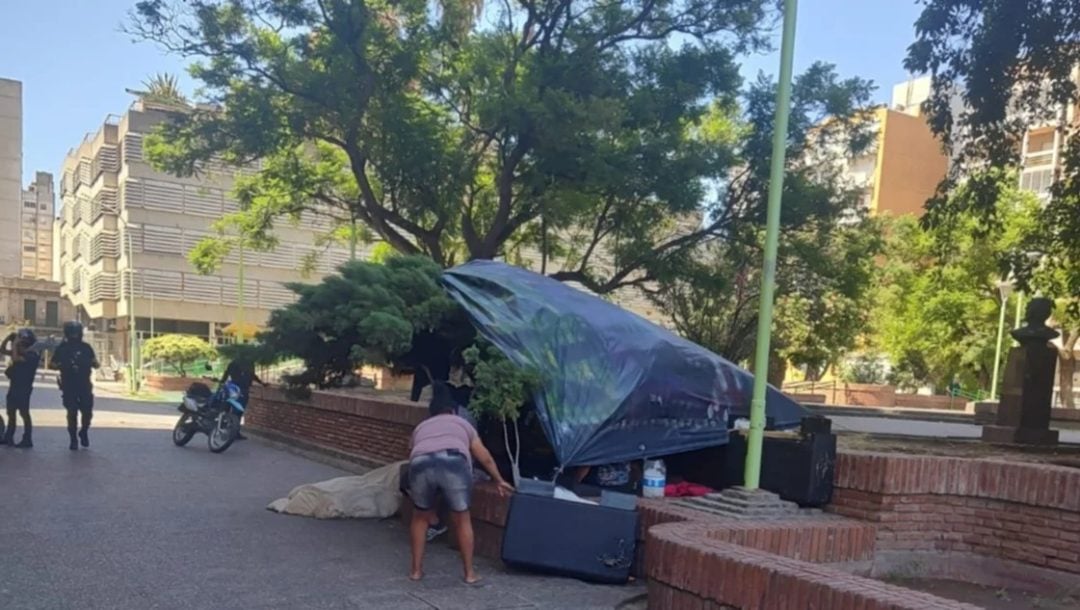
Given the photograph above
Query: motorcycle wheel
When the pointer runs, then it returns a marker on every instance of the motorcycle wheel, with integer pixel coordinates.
(184, 431)
(226, 427)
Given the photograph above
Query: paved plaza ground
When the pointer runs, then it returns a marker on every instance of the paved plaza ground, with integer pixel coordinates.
(135, 522)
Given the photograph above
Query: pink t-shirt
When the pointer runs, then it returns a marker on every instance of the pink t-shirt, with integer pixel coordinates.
(442, 432)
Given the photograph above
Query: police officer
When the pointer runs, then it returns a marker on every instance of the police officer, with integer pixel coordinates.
(20, 372)
(75, 360)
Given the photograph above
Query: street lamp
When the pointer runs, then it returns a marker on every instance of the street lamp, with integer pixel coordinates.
(756, 436)
(133, 345)
(1005, 287)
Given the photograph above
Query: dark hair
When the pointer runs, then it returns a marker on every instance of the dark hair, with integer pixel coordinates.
(442, 401)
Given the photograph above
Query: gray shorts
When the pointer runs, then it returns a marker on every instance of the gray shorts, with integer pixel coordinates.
(446, 472)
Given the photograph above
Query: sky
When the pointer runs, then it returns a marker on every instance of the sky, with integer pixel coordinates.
(75, 63)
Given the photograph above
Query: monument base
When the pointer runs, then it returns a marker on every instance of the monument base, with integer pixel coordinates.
(1019, 436)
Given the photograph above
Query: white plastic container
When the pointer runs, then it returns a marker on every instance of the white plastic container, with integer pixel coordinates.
(654, 480)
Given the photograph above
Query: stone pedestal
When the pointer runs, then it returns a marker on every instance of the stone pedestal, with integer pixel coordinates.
(1023, 414)
(742, 503)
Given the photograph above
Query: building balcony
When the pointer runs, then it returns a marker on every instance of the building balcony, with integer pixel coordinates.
(1040, 159)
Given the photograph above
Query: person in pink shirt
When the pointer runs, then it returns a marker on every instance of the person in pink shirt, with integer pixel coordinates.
(440, 463)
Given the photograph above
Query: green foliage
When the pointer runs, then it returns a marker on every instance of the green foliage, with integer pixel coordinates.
(864, 368)
(939, 303)
(178, 351)
(501, 387)
(1012, 65)
(163, 89)
(367, 313)
(573, 130)
(826, 260)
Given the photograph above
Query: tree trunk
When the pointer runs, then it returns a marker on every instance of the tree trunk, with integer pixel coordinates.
(1067, 369)
(514, 455)
(777, 369)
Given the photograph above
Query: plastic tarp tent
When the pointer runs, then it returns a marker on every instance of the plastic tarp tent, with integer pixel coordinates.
(614, 386)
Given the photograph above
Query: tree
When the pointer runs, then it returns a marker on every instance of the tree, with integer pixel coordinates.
(163, 89)
(1011, 65)
(178, 351)
(501, 389)
(367, 313)
(825, 279)
(939, 302)
(826, 258)
(582, 131)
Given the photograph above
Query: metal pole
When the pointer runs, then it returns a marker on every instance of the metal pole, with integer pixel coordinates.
(240, 298)
(151, 315)
(997, 351)
(352, 240)
(772, 235)
(1019, 311)
(133, 384)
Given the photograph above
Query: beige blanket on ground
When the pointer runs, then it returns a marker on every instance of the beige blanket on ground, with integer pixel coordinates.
(374, 495)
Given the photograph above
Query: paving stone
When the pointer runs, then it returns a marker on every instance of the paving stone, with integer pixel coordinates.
(137, 523)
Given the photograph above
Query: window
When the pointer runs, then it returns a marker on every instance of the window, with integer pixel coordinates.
(29, 204)
(52, 314)
(29, 248)
(44, 207)
(30, 311)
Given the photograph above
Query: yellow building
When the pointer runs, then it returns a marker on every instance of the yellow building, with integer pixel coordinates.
(906, 163)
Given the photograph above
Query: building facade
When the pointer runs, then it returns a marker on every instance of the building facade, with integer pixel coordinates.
(126, 229)
(10, 177)
(32, 303)
(903, 167)
(37, 216)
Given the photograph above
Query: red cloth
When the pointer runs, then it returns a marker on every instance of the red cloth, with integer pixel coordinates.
(686, 489)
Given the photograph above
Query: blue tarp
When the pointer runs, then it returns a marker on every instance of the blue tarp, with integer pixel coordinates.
(613, 386)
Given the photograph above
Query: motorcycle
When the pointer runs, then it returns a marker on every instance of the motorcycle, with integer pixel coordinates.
(215, 414)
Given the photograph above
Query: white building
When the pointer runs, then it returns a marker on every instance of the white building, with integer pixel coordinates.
(38, 213)
(10, 177)
(122, 219)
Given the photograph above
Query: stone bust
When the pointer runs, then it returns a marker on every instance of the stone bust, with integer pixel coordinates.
(1036, 330)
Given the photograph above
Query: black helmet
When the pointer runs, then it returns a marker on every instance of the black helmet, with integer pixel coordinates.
(26, 338)
(73, 331)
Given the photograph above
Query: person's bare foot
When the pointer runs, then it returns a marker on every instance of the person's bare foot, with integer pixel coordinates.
(472, 579)
(416, 576)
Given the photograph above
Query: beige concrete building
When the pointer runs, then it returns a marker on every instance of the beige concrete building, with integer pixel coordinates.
(10, 177)
(125, 232)
(32, 303)
(38, 214)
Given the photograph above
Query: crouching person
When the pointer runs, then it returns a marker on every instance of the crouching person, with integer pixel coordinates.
(440, 464)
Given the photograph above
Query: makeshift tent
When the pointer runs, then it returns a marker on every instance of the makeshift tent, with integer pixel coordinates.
(614, 386)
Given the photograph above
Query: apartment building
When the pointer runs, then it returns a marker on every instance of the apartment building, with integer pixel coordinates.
(125, 232)
(1042, 150)
(37, 216)
(904, 165)
(10, 177)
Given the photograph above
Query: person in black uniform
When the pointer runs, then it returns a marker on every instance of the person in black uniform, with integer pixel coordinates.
(20, 372)
(242, 372)
(76, 360)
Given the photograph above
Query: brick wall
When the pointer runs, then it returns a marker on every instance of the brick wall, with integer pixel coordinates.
(374, 428)
(165, 383)
(1022, 512)
(702, 565)
(920, 401)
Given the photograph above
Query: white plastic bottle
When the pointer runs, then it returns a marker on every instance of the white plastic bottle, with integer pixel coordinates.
(654, 480)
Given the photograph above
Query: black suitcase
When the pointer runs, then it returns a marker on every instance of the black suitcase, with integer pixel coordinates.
(584, 541)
